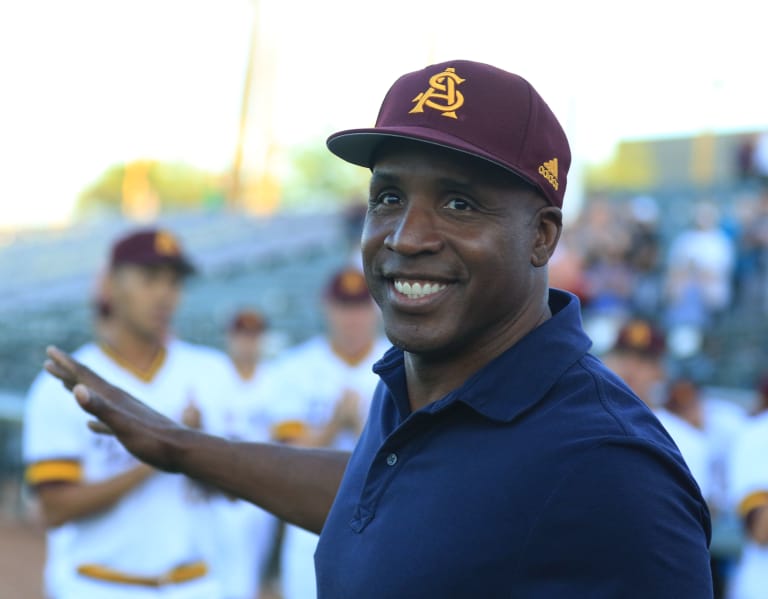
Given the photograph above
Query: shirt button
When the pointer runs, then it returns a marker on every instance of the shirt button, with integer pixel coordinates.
(391, 459)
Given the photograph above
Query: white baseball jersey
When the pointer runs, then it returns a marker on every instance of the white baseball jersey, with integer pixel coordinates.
(243, 534)
(309, 381)
(749, 490)
(157, 526)
(694, 447)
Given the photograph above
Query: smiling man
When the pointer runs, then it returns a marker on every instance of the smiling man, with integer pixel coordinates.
(500, 459)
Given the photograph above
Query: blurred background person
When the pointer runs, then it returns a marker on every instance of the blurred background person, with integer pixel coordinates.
(323, 391)
(638, 357)
(722, 422)
(705, 429)
(243, 534)
(128, 531)
(749, 494)
(700, 267)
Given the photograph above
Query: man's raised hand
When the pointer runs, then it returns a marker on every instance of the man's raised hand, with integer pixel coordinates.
(147, 434)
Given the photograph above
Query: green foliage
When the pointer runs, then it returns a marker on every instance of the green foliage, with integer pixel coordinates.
(104, 194)
(177, 186)
(316, 179)
(311, 178)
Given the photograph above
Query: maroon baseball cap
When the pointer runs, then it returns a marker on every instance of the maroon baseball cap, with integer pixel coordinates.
(348, 286)
(151, 247)
(641, 337)
(249, 322)
(473, 108)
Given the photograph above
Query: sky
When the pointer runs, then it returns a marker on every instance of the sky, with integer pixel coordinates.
(91, 83)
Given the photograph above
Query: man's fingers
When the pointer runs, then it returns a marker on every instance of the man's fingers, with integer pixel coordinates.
(62, 359)
(92, 402)
(64, 376)
(84, 397)
(71, 372)
(100, 427)
(73, 369)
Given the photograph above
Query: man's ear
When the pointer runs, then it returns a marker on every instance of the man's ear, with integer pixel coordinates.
(549, 225)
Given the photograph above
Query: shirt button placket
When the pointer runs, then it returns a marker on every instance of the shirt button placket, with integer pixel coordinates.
(391, 459)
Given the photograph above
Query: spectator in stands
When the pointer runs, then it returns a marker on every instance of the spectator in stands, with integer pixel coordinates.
(744, 163)
(605, 241)
(699, 271)
(753, 249)
(566, 267)
(760, 157)
(643, 256)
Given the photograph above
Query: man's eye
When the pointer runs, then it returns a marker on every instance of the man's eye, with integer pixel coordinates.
(458, 204)
(386, 199)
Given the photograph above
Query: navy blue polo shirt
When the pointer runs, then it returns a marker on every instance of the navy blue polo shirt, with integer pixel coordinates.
(543, 476)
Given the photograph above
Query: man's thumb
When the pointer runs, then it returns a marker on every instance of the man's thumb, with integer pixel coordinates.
(88, 399)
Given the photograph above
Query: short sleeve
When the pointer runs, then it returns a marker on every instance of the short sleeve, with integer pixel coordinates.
(54, 433)
(749, 468)
(628, 521)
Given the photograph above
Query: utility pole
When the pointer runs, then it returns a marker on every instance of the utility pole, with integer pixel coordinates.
(234, 192)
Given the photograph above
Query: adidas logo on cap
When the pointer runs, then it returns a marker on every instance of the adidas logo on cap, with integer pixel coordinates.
(549, 171)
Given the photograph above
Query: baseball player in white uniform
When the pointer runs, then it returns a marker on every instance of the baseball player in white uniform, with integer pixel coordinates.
(323, 391)
(119, 529)
(637, 356)
(749, 489)
(243, 533)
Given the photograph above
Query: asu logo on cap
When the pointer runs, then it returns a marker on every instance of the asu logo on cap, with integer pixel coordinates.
(640, 337)
(348, 286)
(166, 244)
(442, 94)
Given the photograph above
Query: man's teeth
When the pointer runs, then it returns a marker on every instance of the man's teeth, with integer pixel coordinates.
(416, 290)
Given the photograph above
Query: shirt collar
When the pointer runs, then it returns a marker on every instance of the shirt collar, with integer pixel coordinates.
(534, 363)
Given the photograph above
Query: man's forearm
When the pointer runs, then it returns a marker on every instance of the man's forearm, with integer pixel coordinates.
(295, 484)
(62, 503)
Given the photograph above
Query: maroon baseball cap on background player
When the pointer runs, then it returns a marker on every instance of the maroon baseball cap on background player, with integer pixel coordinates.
(641, 337)
(348, 287)
(151, 247)
(249, 322)
(473, 108)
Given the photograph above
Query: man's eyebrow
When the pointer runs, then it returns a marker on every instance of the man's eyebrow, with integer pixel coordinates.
(380, 177)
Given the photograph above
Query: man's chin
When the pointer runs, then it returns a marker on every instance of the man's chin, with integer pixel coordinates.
(420, 345)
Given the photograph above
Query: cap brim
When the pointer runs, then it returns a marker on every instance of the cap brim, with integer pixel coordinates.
(179, 264)
(358, 146)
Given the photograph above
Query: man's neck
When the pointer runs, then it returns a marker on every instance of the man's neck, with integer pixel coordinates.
(432, 377)
(350, 354)
(137, 351)
(245, 370)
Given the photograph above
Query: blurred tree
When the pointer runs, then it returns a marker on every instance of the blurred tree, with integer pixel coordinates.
(316, 179)
(309, 178)
(143, 187)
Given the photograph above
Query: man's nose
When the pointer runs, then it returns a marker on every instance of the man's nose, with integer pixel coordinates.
(415, 232)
